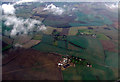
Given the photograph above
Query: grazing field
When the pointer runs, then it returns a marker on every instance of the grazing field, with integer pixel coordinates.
(97, 72)
(111, 59)
(44, 47)
(35, 65)
(85, 31)
(93, 53)
(80, 41)
(62, 44)
(72, 47)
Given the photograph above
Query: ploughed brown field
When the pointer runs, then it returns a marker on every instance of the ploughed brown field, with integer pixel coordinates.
(65, 31)
(115, 24)
(30, 64)
(108, 45)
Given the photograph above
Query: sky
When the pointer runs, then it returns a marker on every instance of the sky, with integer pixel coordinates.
(67, 0)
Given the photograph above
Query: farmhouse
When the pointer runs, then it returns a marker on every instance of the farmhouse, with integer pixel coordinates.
(70, 61)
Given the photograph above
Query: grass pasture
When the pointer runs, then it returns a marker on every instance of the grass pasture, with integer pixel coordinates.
(97, 72)
(80, 41)
(111, 59)
(94, 53)
(102, 37)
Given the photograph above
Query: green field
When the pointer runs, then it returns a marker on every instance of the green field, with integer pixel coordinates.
(54, 23)
(102, 37)
(37, 37)
(90, 20)
(80, 41)
(97, 72)
(94, 53)
(85, 31)
(111, 59)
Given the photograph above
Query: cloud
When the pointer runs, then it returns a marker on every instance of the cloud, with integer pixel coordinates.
(112, 6)
(24, 1)
(20, 25)
(23, 26)
(53, 9)
(8, 9)
(18, 45)
(42, 27)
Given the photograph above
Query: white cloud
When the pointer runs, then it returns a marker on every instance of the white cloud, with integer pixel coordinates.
(22, 26)
(8, 9)
(25, 1)
(42, 27)
(53, 9)
(112, 6)
(18, 45)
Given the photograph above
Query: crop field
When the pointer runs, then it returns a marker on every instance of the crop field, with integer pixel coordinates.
(58, 24)
(112, 34)
(50, 30)
(30, 43)
(22, 39)
(37, 37)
